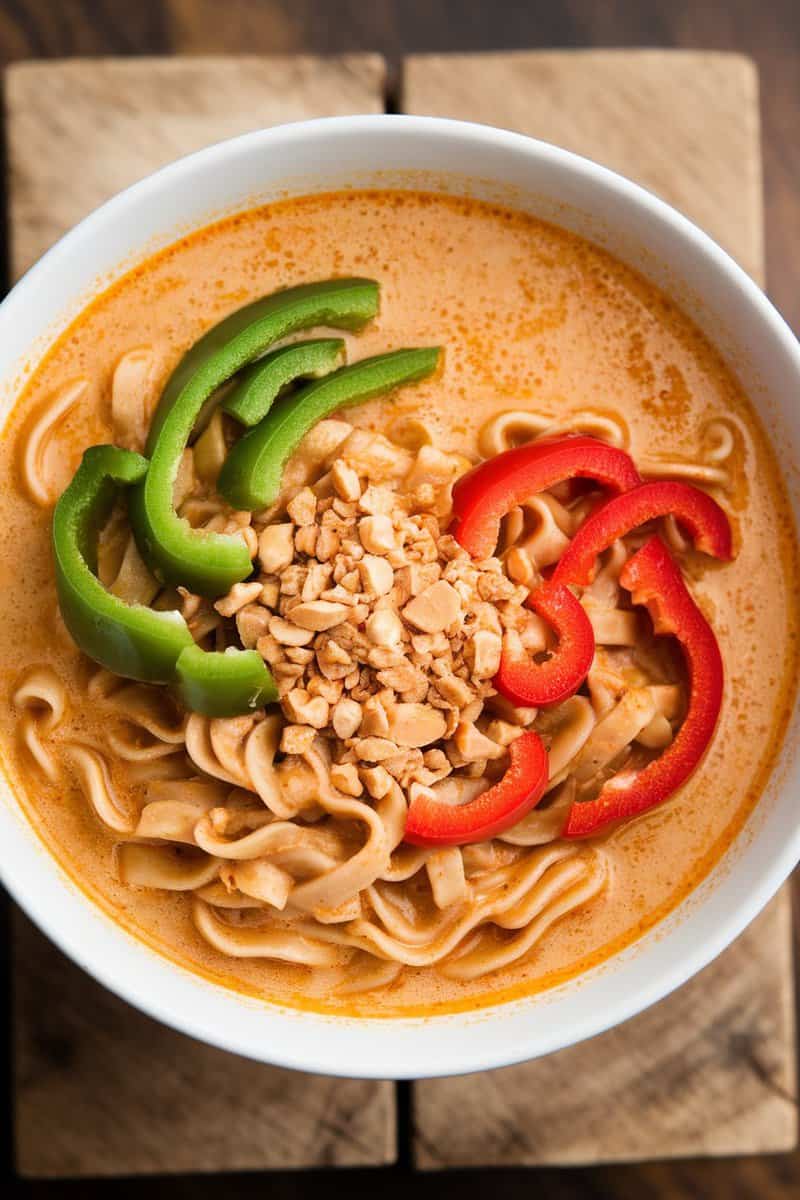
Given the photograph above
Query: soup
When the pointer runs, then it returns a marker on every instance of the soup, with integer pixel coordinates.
(431, 679)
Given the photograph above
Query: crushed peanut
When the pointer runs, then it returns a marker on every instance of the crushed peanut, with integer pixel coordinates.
(318, 614)
(345, 481)
(382, 634)
(346, 718)
(345, 777)
(377, 534)
(435, 609)
(241, 594)
(276, 547)
(302, 508)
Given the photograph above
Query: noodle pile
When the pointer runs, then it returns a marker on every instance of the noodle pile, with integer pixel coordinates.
(286, 845)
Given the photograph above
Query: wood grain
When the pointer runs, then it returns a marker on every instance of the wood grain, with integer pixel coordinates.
(104, 1090)
(710, 1070)
(101, 1089)
(81, 130)
(707, 1071)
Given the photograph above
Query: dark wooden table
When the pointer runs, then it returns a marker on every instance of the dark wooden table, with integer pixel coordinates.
(768, 31)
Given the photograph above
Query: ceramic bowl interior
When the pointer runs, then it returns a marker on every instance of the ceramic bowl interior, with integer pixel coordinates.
(636, 227)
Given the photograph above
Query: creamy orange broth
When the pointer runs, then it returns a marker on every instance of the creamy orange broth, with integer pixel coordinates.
(531, 317)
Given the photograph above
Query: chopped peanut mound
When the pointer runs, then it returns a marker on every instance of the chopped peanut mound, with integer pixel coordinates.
(383, 635)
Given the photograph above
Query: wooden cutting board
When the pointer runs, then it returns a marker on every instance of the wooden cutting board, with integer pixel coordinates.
(710, 1070)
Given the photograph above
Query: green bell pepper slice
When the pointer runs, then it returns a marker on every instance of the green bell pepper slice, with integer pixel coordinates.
(251, 475)
(210, 563)
(227, 684)
(259, 386)
(128, 639)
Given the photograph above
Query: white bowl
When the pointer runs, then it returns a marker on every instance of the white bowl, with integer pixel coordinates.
(641, 230)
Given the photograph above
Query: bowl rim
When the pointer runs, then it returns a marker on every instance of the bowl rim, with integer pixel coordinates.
(470, 1057)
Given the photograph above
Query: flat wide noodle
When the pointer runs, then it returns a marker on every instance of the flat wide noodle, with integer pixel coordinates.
(41, 700)
(163, 867)
(257, 942)
(36, 439)
(95, 780)
(571, 890)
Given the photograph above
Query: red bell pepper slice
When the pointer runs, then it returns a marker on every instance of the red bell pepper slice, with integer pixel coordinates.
(433, 823)
(654, 580)
(483, 496)
(701, 516)
(525, 682)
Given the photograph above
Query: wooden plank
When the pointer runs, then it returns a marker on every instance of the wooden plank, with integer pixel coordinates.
(710, 1070)
(104, 1090)
(80, 130)
(637, 111)
(101, 1089)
